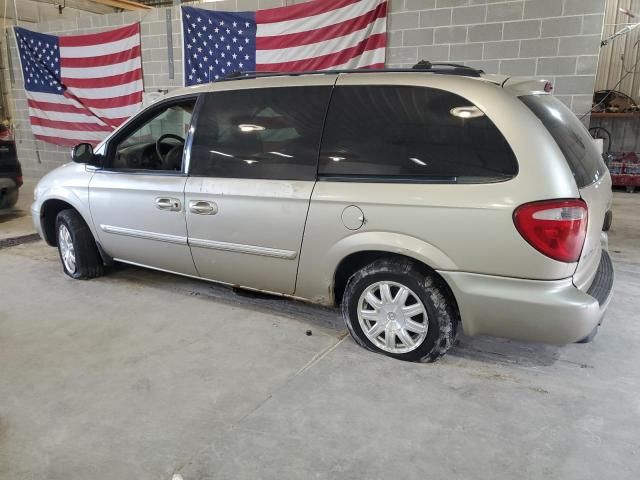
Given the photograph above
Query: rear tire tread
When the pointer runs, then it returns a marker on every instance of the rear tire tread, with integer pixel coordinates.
(438, 302)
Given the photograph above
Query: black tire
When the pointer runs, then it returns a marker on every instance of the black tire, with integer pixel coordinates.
(9, 199)
(88, 263)
(441, 312)
(608, 220)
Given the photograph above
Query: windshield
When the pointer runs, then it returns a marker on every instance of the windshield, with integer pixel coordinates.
(571, 136)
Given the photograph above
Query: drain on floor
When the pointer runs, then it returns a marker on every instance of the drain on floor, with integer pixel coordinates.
(12, 242)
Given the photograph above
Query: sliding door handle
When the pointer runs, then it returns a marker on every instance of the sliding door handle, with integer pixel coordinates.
(167, 203)
(201, 207)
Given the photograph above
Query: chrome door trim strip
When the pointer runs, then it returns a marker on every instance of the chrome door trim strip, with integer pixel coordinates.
(129, 232)
(241, 248)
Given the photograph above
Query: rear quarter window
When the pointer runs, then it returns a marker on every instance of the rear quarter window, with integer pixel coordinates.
(572, 137)
(400, 133)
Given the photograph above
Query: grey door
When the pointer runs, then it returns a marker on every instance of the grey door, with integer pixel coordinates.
(252, 171)
(137, 198)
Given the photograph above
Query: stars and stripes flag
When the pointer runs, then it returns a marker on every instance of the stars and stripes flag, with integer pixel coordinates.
(81, 87)
(317, 35)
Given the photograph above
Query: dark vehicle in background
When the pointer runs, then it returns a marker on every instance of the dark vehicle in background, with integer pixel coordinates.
(10, 169)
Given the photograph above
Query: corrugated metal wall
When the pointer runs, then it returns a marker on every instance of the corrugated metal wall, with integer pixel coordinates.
(612, 67)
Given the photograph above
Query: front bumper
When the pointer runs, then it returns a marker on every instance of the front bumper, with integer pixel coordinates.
(531, 310)
(37, 221)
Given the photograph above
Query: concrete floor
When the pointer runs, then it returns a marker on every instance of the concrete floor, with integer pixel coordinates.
(143, 375)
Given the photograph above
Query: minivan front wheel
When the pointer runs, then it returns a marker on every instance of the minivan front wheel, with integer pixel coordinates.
(76, 246)
(392, 307)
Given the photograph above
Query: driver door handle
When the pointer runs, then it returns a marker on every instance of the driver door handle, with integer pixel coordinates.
(168, 203)
(201, 207)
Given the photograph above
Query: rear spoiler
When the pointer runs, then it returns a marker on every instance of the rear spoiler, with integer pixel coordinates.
(527, 85)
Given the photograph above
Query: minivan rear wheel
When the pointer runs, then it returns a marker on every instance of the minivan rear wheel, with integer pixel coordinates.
(392, 307)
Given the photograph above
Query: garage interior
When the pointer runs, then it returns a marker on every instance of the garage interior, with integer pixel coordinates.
(142, 374)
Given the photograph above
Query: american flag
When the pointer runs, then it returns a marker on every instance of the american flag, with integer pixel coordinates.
(317, 35)
(81, 87)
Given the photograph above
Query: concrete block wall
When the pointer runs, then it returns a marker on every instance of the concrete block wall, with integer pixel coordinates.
(554, 39)
(557, 39)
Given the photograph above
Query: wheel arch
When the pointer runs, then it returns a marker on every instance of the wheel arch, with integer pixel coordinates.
(49, 211)
(357, 260)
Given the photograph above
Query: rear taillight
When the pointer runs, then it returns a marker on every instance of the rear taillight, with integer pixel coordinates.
(556, 228)
(19, 180)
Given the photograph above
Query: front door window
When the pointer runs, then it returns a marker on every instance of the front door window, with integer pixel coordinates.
(158, 143)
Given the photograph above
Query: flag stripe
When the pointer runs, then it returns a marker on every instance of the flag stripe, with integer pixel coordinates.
(75, 135)
(64, 142)
(65, 116)
(297, 12)
(316, 50)
(372, 59)
(105, 48)
(59, 103)
(75, 126)
(328, 61)
(321, 34)
(102, 60)
(104, 92)
(122, 101)
(315, 22)
(111, 81)
(93, 39)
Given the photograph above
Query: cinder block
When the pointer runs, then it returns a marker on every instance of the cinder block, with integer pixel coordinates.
(557, 66)
(450, 35)
(542, 8)
(436, 18)
(248, 5)
(421, 36)
(469, 15)
(540, 47)
(230, 6)
(271, 3)
(504, 12)
(566, 99)
(402, 55)
(157, 28)
(467, 51)
(394, 38)
(575, 85)
(501, 50)
(582, 45)
(434, 53)
(523, 66)
(581, 106)
(592, 24)
(488, 66)
(403, 21)
(417, 4)
(583, 7)
(587, 65)
(561, 26)
(485, 33)
(452, 3)
(522, 29)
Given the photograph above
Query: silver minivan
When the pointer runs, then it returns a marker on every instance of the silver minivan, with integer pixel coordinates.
(421, 202)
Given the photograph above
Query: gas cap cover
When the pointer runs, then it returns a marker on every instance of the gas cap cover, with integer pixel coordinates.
(353, 217)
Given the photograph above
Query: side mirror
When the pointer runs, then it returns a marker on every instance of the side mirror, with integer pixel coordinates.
(83, 153)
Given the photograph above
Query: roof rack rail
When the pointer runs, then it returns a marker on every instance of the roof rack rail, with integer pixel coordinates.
(423, 65)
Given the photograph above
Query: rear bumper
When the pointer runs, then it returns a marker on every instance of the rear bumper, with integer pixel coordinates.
(531, 310)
